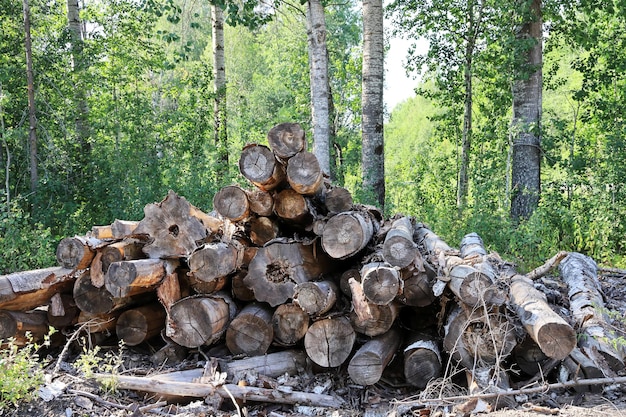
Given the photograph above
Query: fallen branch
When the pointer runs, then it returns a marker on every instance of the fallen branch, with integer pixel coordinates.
(531, 390)
(548, 266)
(129, 407)
(194, 389)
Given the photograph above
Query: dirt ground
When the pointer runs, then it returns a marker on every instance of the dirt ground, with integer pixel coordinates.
(72, 394)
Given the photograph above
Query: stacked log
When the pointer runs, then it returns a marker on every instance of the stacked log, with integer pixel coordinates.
(292, 264)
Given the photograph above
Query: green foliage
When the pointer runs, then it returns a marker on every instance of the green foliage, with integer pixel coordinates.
(21, 372)
(93, 360)
(24, 244)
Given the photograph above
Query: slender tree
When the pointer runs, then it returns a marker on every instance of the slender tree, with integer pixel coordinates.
(373, 151)
(219, 85)
(318, 64)
(526, 121)
(82, 110)
(32, 117)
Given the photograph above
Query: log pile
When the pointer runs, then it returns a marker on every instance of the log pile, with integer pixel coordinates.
(291, 265)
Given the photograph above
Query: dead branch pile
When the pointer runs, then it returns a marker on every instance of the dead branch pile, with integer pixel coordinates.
(291, 271)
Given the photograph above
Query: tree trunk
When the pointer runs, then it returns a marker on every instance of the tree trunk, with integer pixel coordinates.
(140, 324)
(30, 289)
(62, 311)
(338, 200)
(126, 250)
(381, 282)
(417, 287)
(210, 265)
(232, 203)
(32, 114)
(304, 173)
(599, 341)
(466, 139)
(98, 300)
(293, 207)
(399, 249)
(318, 63)
(74, 252)
(272, 365)
(346, 234)
(475, 284)
(23, 327)
(278, 267)
(526, 123)
(286, 140)
(373, 153)
(261, 202)
(174, 226)
(263, 229)
(422, 360)
(369, 318)
(368, 363)
(329, 342)
(220, 134)
(128, 278)
(199, 320)
(251, 332)
(259, 165)
(290, 324)
(315, 298)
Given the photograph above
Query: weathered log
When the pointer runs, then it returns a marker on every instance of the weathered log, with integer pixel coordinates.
(176, 228)
(472, 246)
(417, 288)
(202, 390)
(250, 332)
(292, 207)
(422, 360)
(474, 284)
(263, 229)
(477, 338)
(94, 300)
(125, 250)
(338, 200)
(278, 267)
(199, 320)
(123, 228)
(315, 297)
(368, 318)
(381, 282)
(128, 278)
(344, 280)
(398, 248)
(30, 289)
(99, 323)
(239, 289)
(62, 311)
(101, 232)
(579, 366)
(551, 332)
(140, 324)
(346, 234)
(74, 253)
(23, 327)
(290, 362)
(209, 265)
(329, 342)
(433, 244)
(304, 173)
(368, 363)
(172, 288)
(259, 165)
(580, 273)
(261, 202)
(290, 323)
(529, 357)
(232, 203)
(286, 140)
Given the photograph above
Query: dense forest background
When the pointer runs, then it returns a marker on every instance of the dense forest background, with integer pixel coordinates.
(127, 112)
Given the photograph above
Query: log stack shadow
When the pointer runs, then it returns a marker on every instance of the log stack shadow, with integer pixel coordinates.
(291, 264)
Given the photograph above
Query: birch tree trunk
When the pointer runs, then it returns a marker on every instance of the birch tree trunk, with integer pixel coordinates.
(219, 86)
(526, 122)
(373, 156)
(318, 63)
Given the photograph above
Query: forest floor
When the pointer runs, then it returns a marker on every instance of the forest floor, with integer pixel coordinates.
(70, 393)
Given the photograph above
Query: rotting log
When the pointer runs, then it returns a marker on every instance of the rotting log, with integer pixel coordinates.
(259, 165)
(202, 390)
(98, 300)
(199, 320)
(580, 273)
(346, 234)
(398, 248)
(290, 324)
(368, 318)
(433, 244)
(123, 228)
(74, 252)
(99, 323)
(62, 310)
(263, 230)
(23, 327)
(293, 208)
(304, 173)
(370, 360)
(554, 336)
(261, 202)
(417, 288)
(30, 289)
(328, 342)
(175, 227)
(286, 140)
(209, 265)
(125, 250)
(140, 324)
(478, 338)
(472, 246)
(338, 200)
(278, 267)
(381, 282)
(474, 284)
(422, 359)
(290, 362)
(128, 278)
(239, 289)
(231, 202)
(250, 332)
(315, 297)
